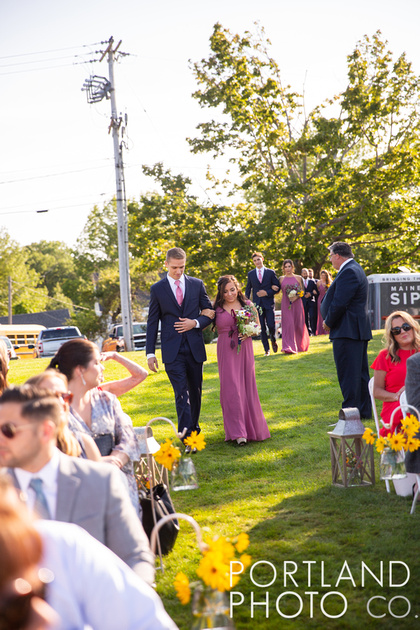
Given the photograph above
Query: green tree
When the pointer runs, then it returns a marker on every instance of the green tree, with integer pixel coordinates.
(216, 238)
(348, 170)
(28, 295)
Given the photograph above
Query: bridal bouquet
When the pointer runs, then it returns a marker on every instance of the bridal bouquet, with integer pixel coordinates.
(292, 291)
(246, 323)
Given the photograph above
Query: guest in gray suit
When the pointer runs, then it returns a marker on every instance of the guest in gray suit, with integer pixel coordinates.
(412, 391)
(64, 488)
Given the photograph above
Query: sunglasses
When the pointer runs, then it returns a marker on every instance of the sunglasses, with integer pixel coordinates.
(16, 609)
(9, 430)
(66, 397)
(397, 330)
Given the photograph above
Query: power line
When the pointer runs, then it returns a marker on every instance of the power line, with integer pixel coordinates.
(46, 52)
(51, 298)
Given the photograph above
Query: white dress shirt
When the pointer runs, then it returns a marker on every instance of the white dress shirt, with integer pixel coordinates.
(48, 474)
(92, 588)
(260, 270)
(173, 285)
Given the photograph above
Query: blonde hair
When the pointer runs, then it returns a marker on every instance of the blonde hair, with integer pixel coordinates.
(4, 366)
(391, 342)
(66, 441)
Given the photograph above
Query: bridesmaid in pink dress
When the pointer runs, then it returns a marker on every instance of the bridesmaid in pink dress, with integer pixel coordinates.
(294, 334)
(323, 284)
(242, 414)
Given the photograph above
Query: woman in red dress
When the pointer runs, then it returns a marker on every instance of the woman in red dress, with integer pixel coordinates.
(402, 338)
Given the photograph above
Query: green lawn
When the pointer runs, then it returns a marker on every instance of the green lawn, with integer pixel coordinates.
(280, 493)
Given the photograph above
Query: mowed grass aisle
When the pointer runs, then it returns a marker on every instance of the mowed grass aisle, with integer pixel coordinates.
(310, 537)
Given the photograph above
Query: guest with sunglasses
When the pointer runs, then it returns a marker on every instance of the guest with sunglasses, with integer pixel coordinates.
(56, 576)
(402, 339)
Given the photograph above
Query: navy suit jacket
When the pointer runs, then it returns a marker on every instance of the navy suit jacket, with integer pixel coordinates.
(345, 305)
(269, 278)
(163, 307)
(309, 289)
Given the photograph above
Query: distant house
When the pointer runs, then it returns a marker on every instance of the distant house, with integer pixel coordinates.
(49, 319)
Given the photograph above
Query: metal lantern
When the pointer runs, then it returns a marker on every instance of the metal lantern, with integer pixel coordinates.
(352, 460)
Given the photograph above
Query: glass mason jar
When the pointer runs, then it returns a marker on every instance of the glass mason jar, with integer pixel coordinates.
(210, 609)
(184, 475)
(392, 464)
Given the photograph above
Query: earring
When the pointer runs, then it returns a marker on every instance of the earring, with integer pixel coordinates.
(83, 380)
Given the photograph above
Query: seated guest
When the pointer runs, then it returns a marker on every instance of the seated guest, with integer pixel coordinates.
(94, 411)
(76, 444)
(69, 489)
(123, 385)
(402, 339)
(91, 586)
(22, 596)
(412, 391)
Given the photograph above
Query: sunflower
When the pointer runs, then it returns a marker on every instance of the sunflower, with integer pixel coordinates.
(167, 454)
(195, 441)
(182, 587)
(369, 436)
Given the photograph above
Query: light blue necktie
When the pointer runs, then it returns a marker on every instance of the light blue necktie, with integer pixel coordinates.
(40, 505)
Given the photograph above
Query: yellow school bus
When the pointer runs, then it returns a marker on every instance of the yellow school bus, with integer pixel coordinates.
(23, 337)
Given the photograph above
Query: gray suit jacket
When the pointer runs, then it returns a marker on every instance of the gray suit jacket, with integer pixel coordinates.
(92, 495)
(412, 390)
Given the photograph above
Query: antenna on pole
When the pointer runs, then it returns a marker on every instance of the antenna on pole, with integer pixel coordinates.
(97, 88)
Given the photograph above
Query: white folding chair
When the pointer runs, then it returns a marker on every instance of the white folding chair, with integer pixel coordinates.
(375, 415)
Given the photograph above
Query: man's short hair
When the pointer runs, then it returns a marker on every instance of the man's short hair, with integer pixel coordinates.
(257, 254)
(176, 252)
(341, 249)
(37, 404)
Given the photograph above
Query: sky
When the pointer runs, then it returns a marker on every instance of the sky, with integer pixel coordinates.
(56, 153)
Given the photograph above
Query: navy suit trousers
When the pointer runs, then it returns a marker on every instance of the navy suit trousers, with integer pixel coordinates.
(267, 318)
(186, 376)
(350, 356)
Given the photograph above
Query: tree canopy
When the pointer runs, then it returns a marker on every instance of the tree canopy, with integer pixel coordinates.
(348, 170)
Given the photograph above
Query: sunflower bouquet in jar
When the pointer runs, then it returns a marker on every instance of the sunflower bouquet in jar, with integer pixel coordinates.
(222, 563)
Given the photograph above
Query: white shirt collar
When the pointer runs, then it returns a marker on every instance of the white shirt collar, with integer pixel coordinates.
(172, 281)
(48, 474)
(345, 263)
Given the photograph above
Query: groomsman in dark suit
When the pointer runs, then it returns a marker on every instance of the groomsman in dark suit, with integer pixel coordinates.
(309, 301)
(345, 313)
(261, 280)
(179, 302)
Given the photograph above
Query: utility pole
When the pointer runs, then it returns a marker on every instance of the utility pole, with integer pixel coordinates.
(98, 88)
(9, 284)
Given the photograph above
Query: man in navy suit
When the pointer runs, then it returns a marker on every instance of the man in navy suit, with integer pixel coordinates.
(309, 301)
(179, 303)
(261, 280)
(345, 313)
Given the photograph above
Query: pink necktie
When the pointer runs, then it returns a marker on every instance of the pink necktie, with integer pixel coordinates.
(260, 275)
(179, 295)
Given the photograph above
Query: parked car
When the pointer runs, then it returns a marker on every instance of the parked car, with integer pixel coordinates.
(115, 341)
(51, 339)
(22, 337)
(10, 349)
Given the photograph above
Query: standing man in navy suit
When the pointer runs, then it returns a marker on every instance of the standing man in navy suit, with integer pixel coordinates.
(346, 317)
(183, 307)
(262, 280)
(309, 301)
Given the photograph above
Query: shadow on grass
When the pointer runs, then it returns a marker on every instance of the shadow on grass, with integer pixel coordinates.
(316, 542)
